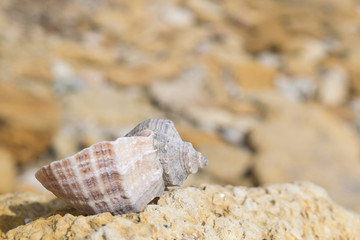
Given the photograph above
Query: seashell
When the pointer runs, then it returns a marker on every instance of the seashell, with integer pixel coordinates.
(121, 176)
(177, 157)
(124, 175)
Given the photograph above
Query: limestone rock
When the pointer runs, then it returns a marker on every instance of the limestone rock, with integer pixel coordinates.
(110, 106)
(7, 171)
(308, 143)
(298, 211)
(227, 164)
(306, 54)
(28, 119)
(267, 34)
(143, 74)
(189, 95)
(79, 54)
(334, 87)
(38, 68)
(297, 89)
(251, 75)
(20, 208)
(351, 63)
(220, 156)
(183, 92)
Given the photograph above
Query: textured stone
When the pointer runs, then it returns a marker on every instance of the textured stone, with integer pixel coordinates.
(297, 89)
(334, 88)
(352, 66)
(143, 74)
(220, 154)
(188, 86)
(7, 171)
(252, 75)
(227, 164)
(190, 95)
(80, 54)
(20, 208)
(308, 52)
(287, 211)
(37, 68)
(308, 143)
(28, 119)
(110, 106)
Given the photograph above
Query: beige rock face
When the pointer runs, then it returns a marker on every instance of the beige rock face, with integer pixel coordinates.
(309, 143)
(227, 164)
(20, 208)
(287, 211)
(107, 106)
(252, 75)
(7, 171)
(220, 154)
(28, 119)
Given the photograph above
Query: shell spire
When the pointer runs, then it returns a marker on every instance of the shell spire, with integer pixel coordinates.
(177, 157)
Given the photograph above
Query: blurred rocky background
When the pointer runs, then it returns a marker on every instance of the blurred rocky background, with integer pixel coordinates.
(268, 90)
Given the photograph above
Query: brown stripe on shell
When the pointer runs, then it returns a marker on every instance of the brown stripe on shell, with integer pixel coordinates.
(91, 183)
(83, 160)
(106, 164)
(73, 187)
(57, 170)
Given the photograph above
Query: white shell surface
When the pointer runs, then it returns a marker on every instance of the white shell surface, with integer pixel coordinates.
(118, 176)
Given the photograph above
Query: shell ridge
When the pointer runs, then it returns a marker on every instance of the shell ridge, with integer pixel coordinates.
(98, 180)
(70, 180)
(186, 161)
(48, 171)
(54, 172)
(120, 171)
(82, 185)
(108, 160)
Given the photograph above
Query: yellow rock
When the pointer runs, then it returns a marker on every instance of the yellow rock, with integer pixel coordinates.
(251, 75)
(205, 212)
(196, 136)
(37, 68)
(80, 55)
(227, 163)
(7, 171)
(28, 120)
(143, 74)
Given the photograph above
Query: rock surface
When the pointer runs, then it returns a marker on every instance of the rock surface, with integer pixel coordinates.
(29, 118)
(7, 171)
(286, 211)
(220, 156)
(309, 143)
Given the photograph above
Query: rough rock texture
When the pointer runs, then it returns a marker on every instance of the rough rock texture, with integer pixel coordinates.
(29, 117)
(287, 211)
(7, 171)
(308, 143)
(20, 208)
(220, 156)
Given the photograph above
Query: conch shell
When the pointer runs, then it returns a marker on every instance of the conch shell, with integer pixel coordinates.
(124, 175)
